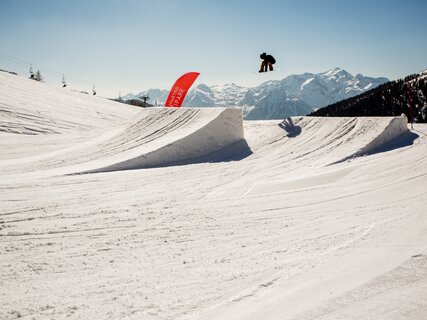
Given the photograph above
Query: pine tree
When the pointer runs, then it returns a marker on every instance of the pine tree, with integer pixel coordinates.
(38, 76)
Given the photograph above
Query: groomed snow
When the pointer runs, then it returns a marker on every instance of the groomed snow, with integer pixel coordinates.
(306, 218)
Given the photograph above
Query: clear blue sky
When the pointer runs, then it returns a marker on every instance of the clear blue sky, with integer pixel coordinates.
(133, 45)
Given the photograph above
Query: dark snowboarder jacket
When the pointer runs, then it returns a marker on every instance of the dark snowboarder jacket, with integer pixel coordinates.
(268, 58)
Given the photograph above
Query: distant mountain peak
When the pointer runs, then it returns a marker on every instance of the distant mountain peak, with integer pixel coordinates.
(333, 71)
(337, 74)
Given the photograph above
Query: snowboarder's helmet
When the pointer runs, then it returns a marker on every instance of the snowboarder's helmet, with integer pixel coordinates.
(263, 55)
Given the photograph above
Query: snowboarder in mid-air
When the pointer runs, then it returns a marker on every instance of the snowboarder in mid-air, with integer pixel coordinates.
(267, 62)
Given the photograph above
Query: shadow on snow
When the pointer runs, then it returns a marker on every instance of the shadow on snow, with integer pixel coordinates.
(289, 126)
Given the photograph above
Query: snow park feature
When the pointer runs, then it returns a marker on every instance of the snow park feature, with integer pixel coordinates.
(298, 218)
(154, 137)
(180, 88)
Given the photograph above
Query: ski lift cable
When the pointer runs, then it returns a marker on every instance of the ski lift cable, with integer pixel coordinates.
(17, 61)
(26, 63)
(44, 69)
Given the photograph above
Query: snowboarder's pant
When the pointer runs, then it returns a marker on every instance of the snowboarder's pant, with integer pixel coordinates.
(264, 66)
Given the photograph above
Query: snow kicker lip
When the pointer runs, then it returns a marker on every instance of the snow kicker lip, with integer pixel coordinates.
(393, 129)
(169, 136)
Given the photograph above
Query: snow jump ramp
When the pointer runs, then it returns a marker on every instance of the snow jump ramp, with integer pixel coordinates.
(164, 136)
(323, 141)
(155, 137)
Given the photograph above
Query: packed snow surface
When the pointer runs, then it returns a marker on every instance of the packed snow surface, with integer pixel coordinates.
(108, 211)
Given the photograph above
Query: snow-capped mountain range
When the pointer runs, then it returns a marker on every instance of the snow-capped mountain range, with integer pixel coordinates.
(294, 95)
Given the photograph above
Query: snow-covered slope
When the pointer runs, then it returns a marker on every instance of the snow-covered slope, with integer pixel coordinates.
(316, 218)
(34, 108)
(294, 95)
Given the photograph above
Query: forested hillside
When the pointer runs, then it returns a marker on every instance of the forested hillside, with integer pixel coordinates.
(393, 98)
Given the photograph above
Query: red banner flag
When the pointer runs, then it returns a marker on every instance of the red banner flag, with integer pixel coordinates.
(180, 88)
